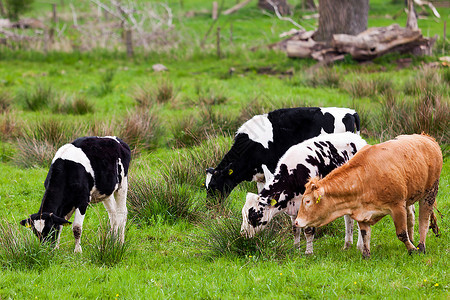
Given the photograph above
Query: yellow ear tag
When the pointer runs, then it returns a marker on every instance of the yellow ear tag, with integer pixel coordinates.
(318, 199)
(66, 224)
(273, 202)
(230, 172)
(28, 225)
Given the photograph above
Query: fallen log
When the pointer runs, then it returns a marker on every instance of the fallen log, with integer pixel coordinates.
(377, 41)
(367, 45)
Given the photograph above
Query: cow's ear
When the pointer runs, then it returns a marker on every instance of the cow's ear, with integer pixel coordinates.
(60, 221)
(313, 187)
(267, 174)
(26, 223)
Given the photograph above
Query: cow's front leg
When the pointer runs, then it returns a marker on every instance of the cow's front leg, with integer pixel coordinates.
(77, 228)
(296, 231)
(309, 235)
(411, 219)
(400, 222)
(348, 232)
(364, 247)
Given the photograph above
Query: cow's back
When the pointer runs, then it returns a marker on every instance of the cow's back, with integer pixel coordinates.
(403, 168)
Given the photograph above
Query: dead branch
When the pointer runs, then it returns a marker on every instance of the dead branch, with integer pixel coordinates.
(236, 7)
(277, 13)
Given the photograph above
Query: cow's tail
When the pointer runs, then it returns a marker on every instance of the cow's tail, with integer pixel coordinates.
(433, 221)
(357, 123)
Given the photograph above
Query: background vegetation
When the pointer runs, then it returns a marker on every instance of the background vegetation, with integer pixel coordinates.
(179, 122)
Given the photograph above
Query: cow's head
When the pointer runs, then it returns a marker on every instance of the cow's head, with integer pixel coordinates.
(313, 211)
(256, 214)
(220, 182)
(45, 225)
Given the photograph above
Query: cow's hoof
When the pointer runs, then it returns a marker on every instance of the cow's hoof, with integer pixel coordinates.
(421, 248)
(347, 246)
(309, 252)
(413, 251)
(365, 254)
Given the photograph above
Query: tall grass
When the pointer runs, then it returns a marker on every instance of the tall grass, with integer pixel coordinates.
(141, 130)
(147, 96)
(317, 77)
(221, 237)
(428, 81)
(5, 101)
(38, 98)
(106, 249)
(75, 105)
(371, 88)
(21, 250)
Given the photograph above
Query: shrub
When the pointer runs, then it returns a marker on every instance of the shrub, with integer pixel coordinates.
(21, 250)
(39, 99)
(17, 7)
(106, 249)
(221, 237)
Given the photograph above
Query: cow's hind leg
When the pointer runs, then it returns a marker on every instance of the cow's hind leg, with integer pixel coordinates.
(348, 232)
(122, 212)
(400, 222)
(309, 235)
(425, 211)
(364, 245)
(111, 207)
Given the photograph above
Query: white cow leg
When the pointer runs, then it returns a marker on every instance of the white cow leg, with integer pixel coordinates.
(364, 230)
(348, 232)
(111, 207)
(122, 212)
(309, 235)
(59, 237)
(77, 228)
(411, 219)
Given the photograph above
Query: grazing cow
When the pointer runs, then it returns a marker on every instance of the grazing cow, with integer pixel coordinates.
(379, 180)
(263, 139)
(88, 170)
(282, 193)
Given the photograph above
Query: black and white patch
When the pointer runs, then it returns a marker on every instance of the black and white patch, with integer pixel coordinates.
(283, 190)
(88, 170)
(265, 138)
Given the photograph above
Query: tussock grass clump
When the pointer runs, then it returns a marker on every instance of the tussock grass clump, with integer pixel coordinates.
(141, 129)
(5, 101)
(147, 96)
(370, 88)
(429, 114)
(428, 80)
(9, 126)
(153, 200)
(40, 98)
(326, 77)
(222, 237)
(189, 131)
(21, 250)
(106, 249)
(105, 86)
(32, 153)
(75, 105)
(40, 141)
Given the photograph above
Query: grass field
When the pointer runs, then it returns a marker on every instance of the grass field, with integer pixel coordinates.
(179, 123)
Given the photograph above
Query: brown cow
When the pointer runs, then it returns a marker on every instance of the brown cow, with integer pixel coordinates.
(383, 179)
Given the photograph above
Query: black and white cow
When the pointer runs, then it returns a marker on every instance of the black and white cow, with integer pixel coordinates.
(283, 191)
(263, 139)
(88, 170)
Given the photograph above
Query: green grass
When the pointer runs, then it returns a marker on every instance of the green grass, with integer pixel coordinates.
(198, 102)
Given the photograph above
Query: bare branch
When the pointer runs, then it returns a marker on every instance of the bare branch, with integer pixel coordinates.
(275, 8)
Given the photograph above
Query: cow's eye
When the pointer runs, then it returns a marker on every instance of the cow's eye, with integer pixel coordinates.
(307, 201)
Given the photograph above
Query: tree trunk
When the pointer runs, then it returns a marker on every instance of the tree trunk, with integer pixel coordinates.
(341, 16)
(281, 5)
